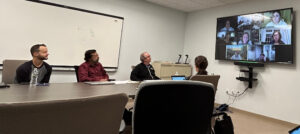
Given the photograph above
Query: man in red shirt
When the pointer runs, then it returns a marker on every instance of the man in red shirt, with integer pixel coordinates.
(91, 69)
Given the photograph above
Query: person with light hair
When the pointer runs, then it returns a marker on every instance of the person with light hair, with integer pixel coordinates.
(144, 70)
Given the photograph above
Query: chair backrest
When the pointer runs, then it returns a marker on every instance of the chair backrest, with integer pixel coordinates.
(132, 67)
(76, 72)
(92, 115)
(214, 79)
(174, 107)
(9, 70)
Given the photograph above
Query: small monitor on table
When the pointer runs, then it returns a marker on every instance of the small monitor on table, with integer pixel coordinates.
(295, 130)
(178, 77)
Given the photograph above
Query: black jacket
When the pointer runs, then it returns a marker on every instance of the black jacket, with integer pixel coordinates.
(23, 73)
(141, 72)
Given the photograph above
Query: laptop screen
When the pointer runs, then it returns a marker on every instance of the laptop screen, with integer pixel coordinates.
(178, 77)
(295, 130)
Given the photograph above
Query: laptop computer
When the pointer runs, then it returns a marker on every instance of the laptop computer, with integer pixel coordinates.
(295, 130)
(178, 77)
(100, 82)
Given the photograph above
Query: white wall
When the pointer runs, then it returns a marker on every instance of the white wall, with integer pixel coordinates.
(147, 27)
(277, 92)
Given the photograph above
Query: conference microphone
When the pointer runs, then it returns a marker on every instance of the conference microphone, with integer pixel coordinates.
(187, 56)
(178, 59)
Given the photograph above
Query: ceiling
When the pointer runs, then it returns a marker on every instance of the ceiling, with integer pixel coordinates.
(192, 5)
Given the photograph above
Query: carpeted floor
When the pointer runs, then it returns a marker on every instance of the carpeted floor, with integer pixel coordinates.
(247, 123)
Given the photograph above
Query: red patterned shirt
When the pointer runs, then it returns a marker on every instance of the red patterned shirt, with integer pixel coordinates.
(87, 72)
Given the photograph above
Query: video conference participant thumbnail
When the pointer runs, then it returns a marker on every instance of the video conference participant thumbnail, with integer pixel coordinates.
(236, 52)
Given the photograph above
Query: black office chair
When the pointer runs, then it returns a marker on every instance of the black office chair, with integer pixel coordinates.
(173, 107)
(76, 72)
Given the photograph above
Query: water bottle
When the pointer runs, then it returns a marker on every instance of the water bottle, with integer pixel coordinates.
(34, 77)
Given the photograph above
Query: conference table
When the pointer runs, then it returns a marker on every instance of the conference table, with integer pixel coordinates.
(62, 91)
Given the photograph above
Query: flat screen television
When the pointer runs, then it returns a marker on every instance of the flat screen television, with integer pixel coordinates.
(260, 37)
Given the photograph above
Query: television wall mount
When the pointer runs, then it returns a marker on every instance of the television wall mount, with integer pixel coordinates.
(250, 66)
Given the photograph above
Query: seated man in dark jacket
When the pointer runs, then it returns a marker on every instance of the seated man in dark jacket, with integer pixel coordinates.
(35, 71)
(144, 70)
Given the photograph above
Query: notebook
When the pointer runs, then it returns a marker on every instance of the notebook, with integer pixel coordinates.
(100, 82)
(178, 77)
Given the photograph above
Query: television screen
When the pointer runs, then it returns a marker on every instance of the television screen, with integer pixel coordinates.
(261, 37)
